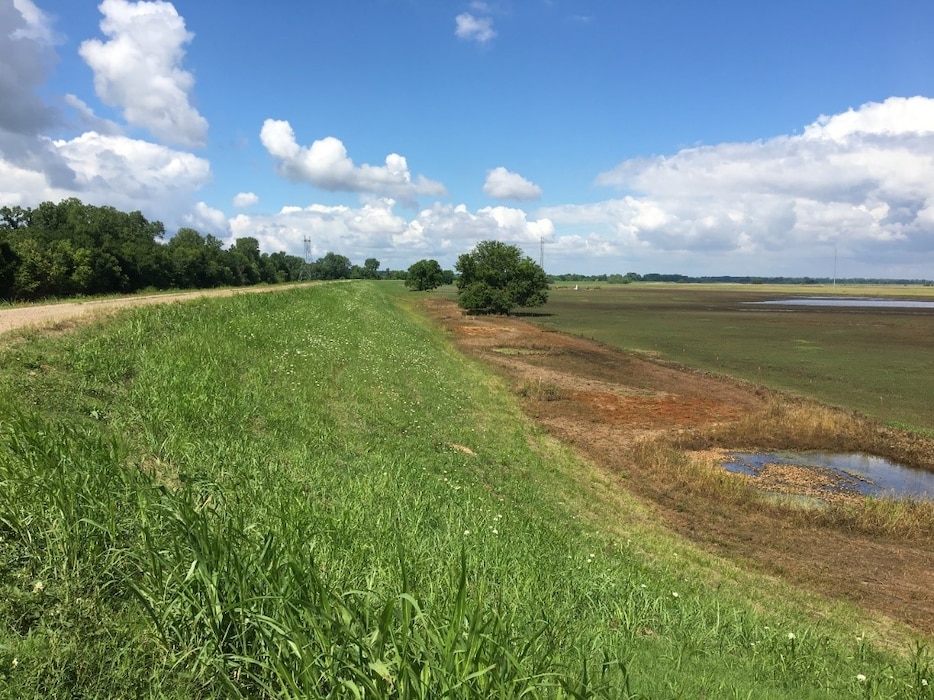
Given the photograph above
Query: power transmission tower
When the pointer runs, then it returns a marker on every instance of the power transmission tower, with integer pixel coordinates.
(305, 273)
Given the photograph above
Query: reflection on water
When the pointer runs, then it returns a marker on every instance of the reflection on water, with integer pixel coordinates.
(862, 473)
(867, 302)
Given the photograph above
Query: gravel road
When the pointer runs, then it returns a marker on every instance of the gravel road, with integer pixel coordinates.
(49, 314)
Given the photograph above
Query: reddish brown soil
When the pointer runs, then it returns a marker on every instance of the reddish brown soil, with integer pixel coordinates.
(602, 400)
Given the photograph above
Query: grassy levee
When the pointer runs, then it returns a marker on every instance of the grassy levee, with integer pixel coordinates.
(310, 494)
(877, 362)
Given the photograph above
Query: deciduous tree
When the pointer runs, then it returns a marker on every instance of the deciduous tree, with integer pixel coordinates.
(496, 278)
(424, 275)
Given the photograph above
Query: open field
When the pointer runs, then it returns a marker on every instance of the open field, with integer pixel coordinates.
(660, 432)
(312, 494)
(878, 362)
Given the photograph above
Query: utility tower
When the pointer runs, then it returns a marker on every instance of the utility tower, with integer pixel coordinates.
(304, 275)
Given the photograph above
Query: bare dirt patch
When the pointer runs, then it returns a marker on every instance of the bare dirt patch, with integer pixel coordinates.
(607, 403)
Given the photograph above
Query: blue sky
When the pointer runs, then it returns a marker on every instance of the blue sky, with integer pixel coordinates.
(720, 137)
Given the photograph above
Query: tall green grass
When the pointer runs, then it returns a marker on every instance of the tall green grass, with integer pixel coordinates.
(309, 494)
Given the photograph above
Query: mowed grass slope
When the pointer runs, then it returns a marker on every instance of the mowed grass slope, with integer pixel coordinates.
(310, 494)
(875, 361)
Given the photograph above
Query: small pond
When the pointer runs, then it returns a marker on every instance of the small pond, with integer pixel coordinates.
(852, 302)
(859, 473)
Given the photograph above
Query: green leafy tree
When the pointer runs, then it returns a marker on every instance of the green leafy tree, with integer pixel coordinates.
(121, 251)
(287, 267)
(12, 218)
(30, 273)
(185, 252)
(246, 261)
(9, 262)
(424, 275)
(217, 272)
(331, 267)
(496, 278)
(371, 268)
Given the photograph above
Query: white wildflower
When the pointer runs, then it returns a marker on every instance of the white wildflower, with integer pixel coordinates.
(791, 636)
(861, 677)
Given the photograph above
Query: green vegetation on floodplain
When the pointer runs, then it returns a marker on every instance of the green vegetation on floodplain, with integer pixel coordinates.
(309, 494)
(874, 361)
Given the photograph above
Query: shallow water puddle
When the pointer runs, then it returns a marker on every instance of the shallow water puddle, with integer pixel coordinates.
(856, 472)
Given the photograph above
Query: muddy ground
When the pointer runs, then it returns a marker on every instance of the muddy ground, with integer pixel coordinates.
(602, 401)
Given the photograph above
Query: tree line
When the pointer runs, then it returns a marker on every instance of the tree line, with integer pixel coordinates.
(70, 248)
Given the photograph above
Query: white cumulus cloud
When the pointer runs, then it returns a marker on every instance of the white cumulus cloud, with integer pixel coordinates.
(471, 28)
(129, 173)
(24, 56)
(896, 115)
(245, 199)
(110, 170)
(89, 119)
(38, 26)
(863, 180)
(139, 69)
(206, 219)
(325, 164)
(375, 229)
(358, 232)
(503, 184)
(446, 229)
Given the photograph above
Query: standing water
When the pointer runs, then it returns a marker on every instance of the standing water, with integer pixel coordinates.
(861, 473)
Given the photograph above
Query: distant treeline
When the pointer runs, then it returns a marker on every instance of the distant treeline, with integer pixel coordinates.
(70, 248)
(746, 279)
